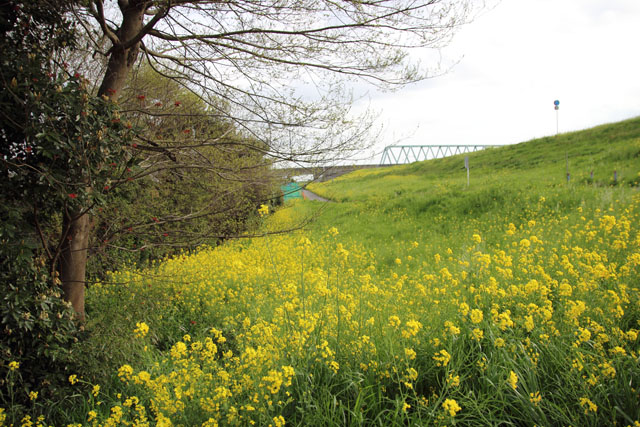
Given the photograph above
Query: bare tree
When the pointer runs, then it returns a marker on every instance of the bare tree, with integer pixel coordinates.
(277, 70)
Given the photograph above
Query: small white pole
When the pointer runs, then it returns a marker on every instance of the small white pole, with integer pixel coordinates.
(466, 165)
(556, 104)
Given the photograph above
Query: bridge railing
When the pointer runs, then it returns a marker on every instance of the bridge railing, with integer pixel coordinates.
(403, 154)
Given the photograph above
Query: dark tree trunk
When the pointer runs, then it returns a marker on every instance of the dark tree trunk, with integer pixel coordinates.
(73, 260)
(123, 55)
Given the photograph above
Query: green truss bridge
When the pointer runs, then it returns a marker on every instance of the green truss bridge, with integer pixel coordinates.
(403, 154)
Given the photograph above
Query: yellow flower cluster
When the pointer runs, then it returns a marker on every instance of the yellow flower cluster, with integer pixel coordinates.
(283, 304)
(451, 407)
(141, 330)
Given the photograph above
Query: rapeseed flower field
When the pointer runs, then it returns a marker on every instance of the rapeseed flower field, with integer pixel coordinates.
(534, 324)
(526, 313)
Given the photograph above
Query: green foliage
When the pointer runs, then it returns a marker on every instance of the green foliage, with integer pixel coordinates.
(202, 183)
(62, 150)
(38, 328)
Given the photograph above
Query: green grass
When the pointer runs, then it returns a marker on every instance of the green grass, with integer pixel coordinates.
(559, 260)
(432, 197)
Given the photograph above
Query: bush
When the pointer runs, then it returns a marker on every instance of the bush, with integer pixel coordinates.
(36, 326)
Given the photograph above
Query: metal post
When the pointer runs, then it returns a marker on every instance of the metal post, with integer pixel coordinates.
(556, 106)
(466, 165)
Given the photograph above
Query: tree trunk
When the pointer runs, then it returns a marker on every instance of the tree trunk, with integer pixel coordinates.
(73, 254)
(73, 260)
(122, 60)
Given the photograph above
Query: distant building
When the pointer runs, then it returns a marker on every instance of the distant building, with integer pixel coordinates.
(302, 178)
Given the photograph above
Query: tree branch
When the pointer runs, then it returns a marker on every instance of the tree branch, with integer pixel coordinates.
(99, 16)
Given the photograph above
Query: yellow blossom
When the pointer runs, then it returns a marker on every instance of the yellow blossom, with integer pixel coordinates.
(453, 381)
(528, 323)
(263, 210)
(476, 316)
(513, 380)
(412, 374)
(535, 398)
(477, 334)
(451, 407)
(141, 330)
(410, 353)
(588, 405)
(412, 329)
(394, 321)
(451, 328)
(442, 358)
(124, 373)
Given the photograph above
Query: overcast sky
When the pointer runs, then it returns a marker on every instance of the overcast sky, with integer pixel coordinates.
(514, 61)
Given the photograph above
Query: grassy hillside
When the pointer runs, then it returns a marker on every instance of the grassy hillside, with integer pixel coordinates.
(432, 197)
(411, 300)
(603, 150)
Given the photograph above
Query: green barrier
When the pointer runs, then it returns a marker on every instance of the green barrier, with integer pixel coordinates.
(291, 191)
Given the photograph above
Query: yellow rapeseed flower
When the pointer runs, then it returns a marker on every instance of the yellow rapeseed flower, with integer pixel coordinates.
(528, 323)
(141, 330)
(451, 328)
(124, 373)
(453, 381)
(476, 316)
(442, 358)
(410, 353)
(394, 321)
(513, 380)
(412, 329)
(451, 407)
(588, 405)
(535, 398)
(412, 374)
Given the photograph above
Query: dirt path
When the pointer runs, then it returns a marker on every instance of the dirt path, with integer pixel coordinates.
(308, 195)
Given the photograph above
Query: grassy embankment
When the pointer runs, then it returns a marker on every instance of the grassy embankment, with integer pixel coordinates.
(413, 300)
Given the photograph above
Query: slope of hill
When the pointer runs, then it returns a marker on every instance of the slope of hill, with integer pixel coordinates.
(433, 196)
